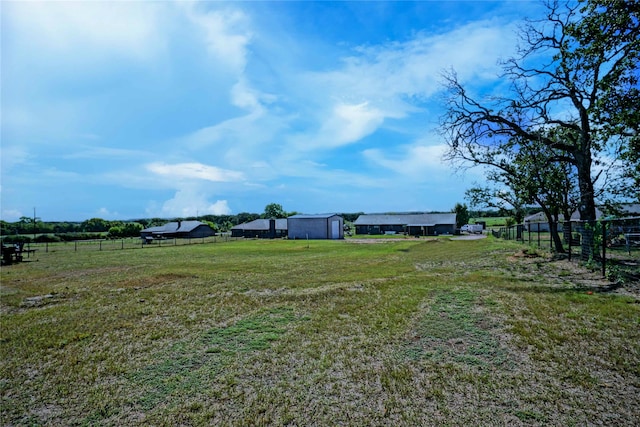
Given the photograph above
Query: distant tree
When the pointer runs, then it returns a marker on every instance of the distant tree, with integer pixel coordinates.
(225, 226)
(243, 217)
(351, 216)
(274, 210)
(462, 214)
(7, 228)
(533, 173)
(115, 232)
(132, 229)
(213, 225)
(94, 225)
(498, 197)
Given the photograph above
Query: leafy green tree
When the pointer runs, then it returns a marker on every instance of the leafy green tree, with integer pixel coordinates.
(213, 225)
(115, 232)
(609, 33)
(462, 214)
(94, 225)
(590, 56)
(528, 174)
(498, 197)
(539, 177)
(7, 228)
(274, 210)
(243, 217)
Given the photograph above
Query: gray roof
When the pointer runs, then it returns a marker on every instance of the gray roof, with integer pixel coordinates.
(261, 224)
(175, 227)
(302, 216)
(406, 219)
(626, 210)
(541, 217)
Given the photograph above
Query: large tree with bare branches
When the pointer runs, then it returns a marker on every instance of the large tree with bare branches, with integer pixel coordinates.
(576, 70)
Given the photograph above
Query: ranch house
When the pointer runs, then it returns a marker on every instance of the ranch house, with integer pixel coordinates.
(179, 230)
(261, 228)
(430, 224)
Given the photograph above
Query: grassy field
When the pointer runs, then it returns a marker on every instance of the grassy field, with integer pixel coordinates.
(404, 332)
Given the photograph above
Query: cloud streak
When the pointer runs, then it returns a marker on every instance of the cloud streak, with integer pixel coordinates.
(194, 171)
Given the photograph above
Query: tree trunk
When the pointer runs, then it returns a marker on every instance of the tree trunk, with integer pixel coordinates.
(557, 241)
(553, 228)
(587, 206)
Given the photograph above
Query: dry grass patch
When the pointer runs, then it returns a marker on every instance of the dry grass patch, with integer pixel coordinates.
(409, 332)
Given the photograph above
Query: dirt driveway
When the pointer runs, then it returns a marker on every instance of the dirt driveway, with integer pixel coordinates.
(470, 237)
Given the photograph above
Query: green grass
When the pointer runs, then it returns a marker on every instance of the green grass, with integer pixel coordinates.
(408, 332)
(499, 221)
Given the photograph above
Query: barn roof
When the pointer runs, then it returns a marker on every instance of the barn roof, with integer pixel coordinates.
(627, 210)
(175, 227)
(406, 219)
(261, 224)
(303, 216)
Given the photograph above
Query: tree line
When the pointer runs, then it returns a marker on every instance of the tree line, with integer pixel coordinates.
(27, 229)
(34, 229)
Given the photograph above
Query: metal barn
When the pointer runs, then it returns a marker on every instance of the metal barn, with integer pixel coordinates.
(322, 226)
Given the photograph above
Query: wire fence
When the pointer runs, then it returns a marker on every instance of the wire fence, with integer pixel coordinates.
(616, 240)
(119, 244)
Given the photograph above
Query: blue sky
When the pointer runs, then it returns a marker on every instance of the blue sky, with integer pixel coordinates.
(136, 109)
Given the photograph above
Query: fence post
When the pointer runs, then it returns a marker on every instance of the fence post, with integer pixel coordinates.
(570, 239)
(538, 235)
(604, 249)
(76, 245)
(100, 244)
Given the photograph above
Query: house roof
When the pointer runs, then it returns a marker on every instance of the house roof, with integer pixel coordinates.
(540, 217)
(175, 227)
(429, 219)
(302, 216)
(626, 210)
(261, 224)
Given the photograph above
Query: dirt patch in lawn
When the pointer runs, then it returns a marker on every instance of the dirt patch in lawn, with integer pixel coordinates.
(396, 240)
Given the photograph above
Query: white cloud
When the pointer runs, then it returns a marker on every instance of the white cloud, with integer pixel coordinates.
(350, 123)
(415, 161)
(225, 33)
(88, 29)
(12, 156)
(194, 171)
(191, 202)
(395, 81)
(105, 213)
(87, 152)
(11, 215)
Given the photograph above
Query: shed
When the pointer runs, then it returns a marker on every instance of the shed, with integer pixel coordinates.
(421, 224)
(261, 228)
(178, 229)
(321, 226)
